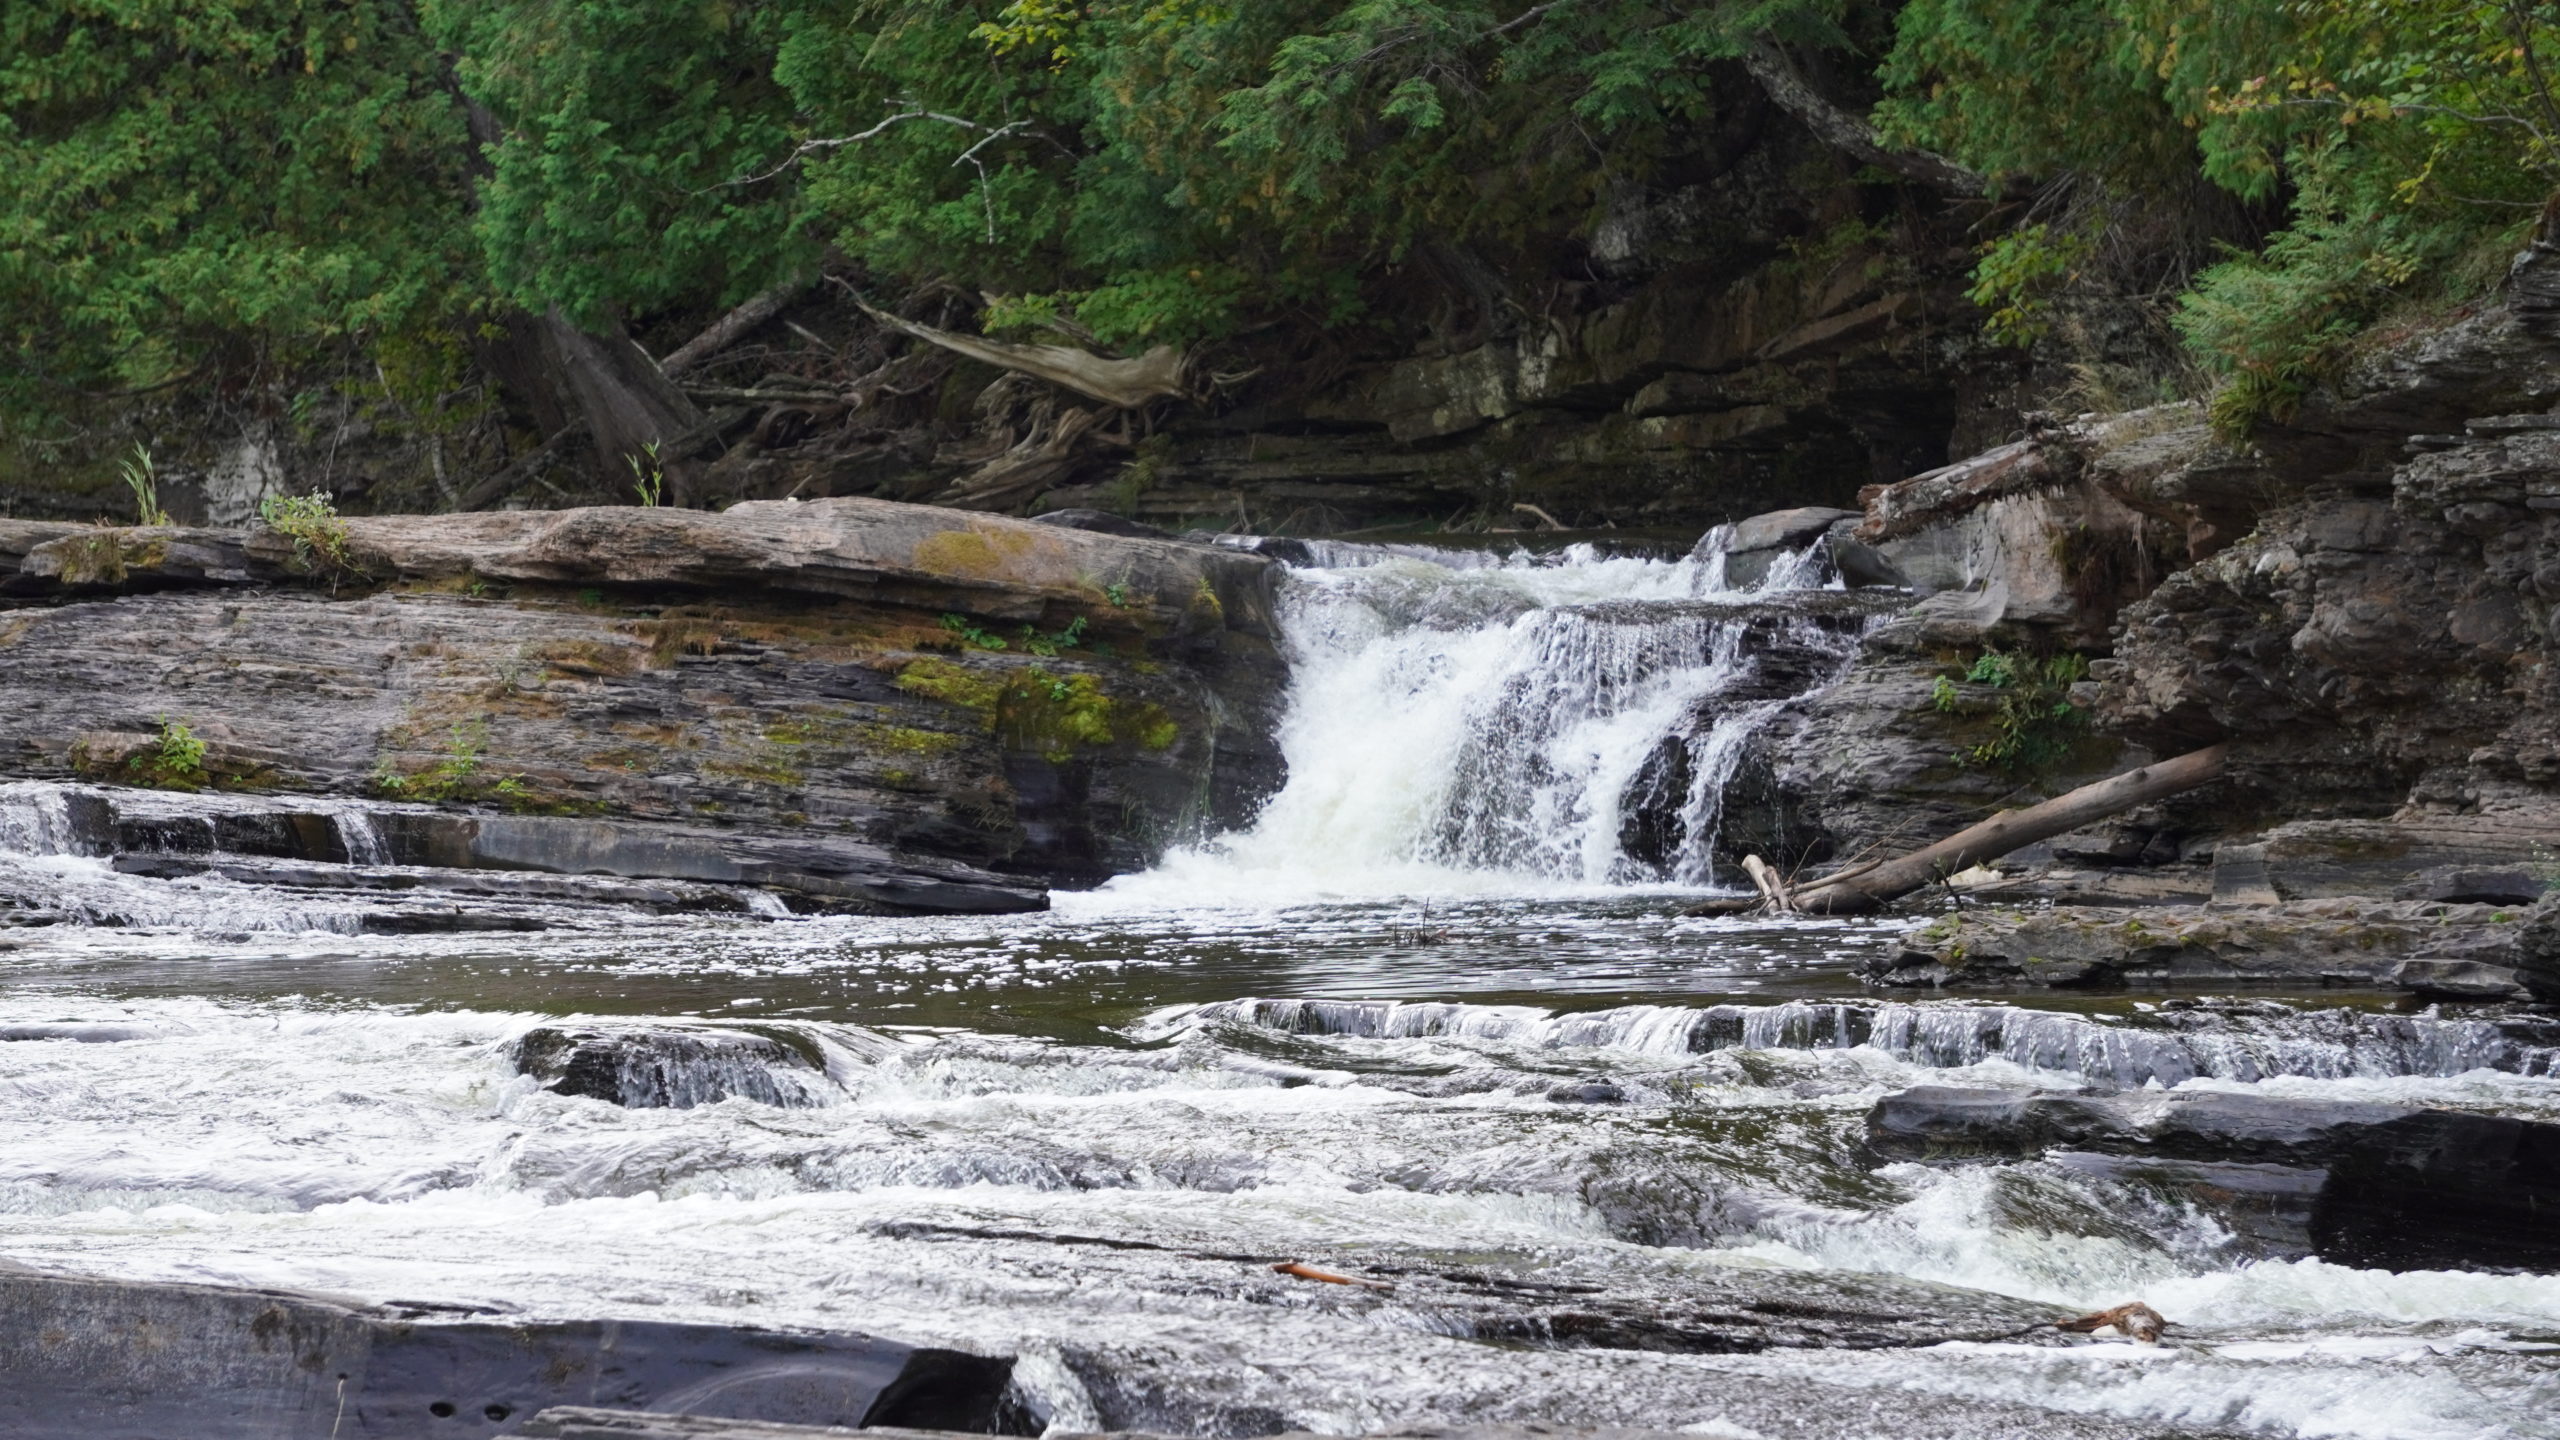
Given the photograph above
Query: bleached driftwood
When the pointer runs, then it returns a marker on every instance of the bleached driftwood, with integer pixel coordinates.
(1156, 375)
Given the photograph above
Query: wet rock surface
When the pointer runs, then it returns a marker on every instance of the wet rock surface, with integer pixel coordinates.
(2355, 1184)
(642, 1068)
(142, 1359)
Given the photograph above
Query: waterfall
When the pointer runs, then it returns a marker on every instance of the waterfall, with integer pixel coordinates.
(35, 819)
(358, 837)
(1464, 719)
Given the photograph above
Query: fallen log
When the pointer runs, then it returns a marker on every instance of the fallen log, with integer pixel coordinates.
(1128, 384)
(2007, 831)
(732, 327)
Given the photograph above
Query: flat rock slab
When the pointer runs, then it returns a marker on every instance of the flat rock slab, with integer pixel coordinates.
(2451, 951)
(85, 1359)
(1778, 1410)
(914, 555)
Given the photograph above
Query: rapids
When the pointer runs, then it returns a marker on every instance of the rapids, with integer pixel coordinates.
(1425, 1020)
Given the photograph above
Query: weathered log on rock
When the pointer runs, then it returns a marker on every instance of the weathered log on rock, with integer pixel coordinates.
(2011, 829)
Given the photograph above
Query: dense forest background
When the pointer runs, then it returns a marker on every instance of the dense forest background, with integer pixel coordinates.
(437, 254)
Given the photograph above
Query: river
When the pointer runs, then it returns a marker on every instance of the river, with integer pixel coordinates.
(1427, 1025)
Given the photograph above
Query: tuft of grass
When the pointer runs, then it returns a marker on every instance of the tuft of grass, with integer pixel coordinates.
(142, 477)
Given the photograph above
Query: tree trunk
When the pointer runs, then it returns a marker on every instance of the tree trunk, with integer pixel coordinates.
(572, 381)
(1869, 888)
(626, 402)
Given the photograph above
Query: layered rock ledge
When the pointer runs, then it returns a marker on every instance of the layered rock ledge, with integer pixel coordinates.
(848, 700)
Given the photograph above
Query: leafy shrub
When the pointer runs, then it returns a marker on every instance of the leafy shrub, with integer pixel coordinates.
(312, 522)
(2033, 722)
(176, 758)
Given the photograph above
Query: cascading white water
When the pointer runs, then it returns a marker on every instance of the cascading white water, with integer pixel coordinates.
(358, 837)
(1459, 721)
(52, 872)
(35, 819)
(2180, 1046)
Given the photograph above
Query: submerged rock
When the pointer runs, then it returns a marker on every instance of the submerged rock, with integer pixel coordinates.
(653, 1068)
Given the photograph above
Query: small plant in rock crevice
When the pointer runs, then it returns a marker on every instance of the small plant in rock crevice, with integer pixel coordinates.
(2034, 724)
(972, 634)
(649, 477)
(312, 523)
(142, 477)
(455, 775)
(1050, 644)
(175, 760)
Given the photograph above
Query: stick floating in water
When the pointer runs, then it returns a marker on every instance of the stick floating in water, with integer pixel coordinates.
(1309, 1272)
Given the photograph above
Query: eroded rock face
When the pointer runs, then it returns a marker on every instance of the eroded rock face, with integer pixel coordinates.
(2362, 601)
(2380, 639)
(830, 689)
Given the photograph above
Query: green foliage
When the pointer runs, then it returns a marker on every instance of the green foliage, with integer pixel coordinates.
(176, 758)
(451, 777)
(1050, 644)
(312, 522)
(142, 477)
(193, 182)
(2406, 137)
(2033, 722)
(244, 186)
(649, 478)
(971, 633)
(2016, 273)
